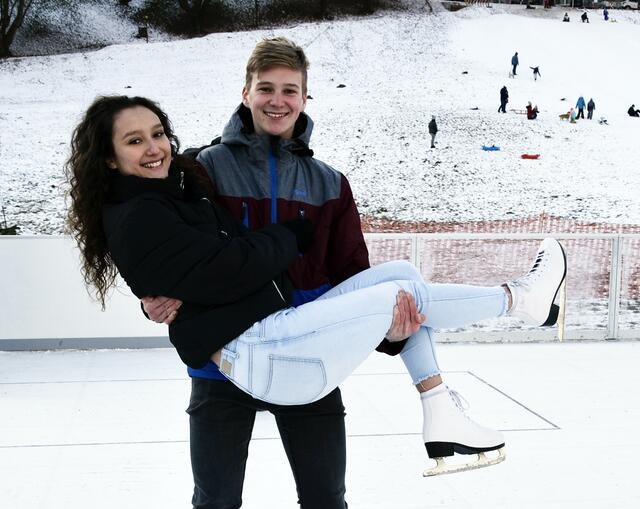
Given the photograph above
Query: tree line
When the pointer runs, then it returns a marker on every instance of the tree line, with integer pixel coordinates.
(195, 17)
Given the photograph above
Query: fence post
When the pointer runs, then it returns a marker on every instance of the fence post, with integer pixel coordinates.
(614, 287)
(415, 255)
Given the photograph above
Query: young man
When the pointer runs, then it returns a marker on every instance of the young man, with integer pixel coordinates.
(264, 172)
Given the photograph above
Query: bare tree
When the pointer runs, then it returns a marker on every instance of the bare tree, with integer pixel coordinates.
(12, 13)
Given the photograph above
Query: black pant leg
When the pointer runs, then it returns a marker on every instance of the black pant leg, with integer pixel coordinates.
(314, 439)
(221, 419)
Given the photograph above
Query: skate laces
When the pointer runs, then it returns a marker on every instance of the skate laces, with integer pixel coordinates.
(526, 280)
(459, 400)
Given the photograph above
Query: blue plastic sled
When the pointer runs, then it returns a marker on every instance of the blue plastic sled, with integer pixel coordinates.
(492, 148)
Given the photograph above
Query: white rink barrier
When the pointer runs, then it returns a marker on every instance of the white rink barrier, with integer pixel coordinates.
(45, 305)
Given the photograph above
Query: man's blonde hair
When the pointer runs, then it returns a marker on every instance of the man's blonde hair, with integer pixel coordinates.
(278, 51)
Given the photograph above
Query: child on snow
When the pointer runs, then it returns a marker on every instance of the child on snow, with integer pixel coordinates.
(536, 72)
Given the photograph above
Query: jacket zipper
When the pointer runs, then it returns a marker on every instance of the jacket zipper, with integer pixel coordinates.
(273, 169)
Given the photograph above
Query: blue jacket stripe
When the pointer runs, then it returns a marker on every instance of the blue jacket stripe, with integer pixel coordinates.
(273, 167)
(245, 214)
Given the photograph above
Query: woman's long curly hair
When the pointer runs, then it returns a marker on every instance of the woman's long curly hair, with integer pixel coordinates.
(90, 181)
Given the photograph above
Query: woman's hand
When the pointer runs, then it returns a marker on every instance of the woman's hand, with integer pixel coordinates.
(406, 319)
(161, 309)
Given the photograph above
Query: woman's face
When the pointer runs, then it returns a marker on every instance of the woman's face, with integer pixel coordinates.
(140, 145)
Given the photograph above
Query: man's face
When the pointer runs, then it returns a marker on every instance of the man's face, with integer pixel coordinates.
(275, 100)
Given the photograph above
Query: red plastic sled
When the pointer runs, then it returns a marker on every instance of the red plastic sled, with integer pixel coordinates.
(530, 156)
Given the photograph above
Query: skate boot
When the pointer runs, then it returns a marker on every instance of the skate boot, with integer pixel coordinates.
(448, 430)
(533, 294)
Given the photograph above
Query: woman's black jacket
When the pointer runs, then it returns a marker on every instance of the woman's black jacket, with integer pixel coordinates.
(166, 240)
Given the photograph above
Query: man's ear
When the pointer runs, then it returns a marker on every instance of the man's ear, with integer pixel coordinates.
(245, 96)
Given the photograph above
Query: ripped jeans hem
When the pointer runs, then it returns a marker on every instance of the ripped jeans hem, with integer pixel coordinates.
(426, 377)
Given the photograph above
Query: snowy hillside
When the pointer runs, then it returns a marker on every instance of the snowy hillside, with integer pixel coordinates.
(398, 69)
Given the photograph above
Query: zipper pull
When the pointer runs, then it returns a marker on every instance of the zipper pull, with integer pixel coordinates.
(301, 213)
(278, 290)
(182, 180)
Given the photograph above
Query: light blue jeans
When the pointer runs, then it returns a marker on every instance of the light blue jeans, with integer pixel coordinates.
(299, 355)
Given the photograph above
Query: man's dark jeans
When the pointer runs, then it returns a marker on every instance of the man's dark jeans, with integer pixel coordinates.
(221, 422)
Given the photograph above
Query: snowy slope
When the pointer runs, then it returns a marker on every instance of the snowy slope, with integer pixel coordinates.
(398, 68)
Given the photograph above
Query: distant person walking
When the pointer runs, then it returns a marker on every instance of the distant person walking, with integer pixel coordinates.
(584, 17)
(590, 107)
(514, 63)
(433, 129)
(633, 112)
(504, 99)
(536, 72)
(580, 105)
(566, 17)
(605, 13)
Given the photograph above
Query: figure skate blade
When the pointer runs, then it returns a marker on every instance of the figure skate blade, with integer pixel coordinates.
(482, 460)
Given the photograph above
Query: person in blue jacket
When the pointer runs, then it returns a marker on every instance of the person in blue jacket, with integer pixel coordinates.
(605, 13)
(514, 63)
(580, 105)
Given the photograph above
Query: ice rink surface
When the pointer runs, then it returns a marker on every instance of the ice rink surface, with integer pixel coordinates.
(107, 429)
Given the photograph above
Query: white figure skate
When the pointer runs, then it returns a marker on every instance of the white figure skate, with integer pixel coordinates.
(533, 294)
(448, 430)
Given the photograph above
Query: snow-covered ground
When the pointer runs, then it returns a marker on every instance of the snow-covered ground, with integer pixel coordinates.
(398, 69)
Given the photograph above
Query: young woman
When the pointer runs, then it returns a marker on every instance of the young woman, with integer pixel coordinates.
(140, 209)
